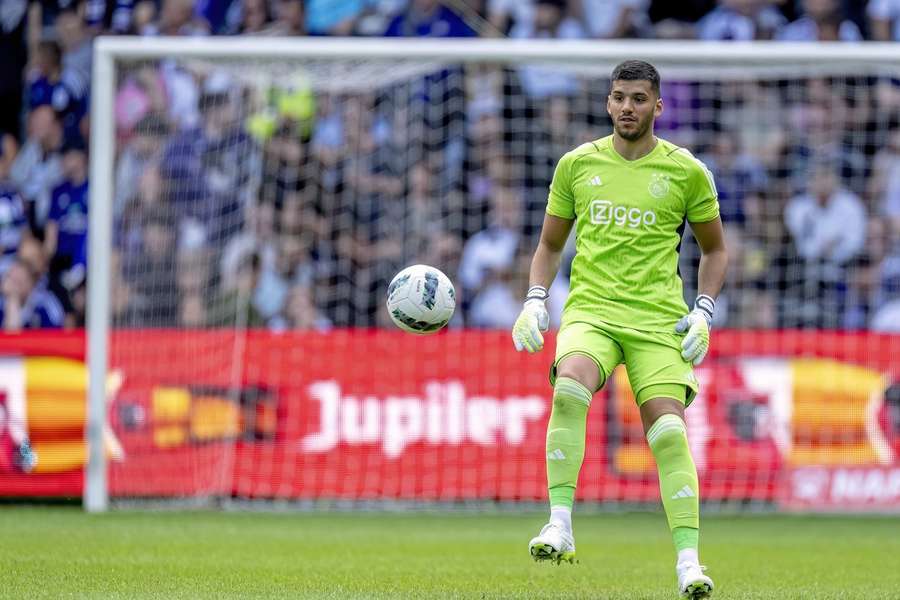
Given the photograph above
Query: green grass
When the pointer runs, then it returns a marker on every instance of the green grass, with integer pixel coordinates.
(63, 553)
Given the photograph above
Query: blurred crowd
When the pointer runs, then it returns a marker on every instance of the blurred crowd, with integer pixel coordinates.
(279, 203)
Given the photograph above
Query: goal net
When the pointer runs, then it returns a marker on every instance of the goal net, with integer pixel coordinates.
(253, 198)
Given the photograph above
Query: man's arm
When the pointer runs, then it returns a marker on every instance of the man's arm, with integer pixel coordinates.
(547, 256)
(713, 262)
(51, 238)
(534, 318)
(714, 257)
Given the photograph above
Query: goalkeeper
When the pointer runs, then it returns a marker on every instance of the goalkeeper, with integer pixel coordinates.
(628, 195)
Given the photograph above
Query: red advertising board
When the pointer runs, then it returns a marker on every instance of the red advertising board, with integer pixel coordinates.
(806, 419)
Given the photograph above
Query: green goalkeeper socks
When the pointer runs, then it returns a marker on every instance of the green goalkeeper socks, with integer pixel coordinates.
(565, 439)
(677, 479)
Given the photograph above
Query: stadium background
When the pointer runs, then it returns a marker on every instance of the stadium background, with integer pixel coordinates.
(275, 220)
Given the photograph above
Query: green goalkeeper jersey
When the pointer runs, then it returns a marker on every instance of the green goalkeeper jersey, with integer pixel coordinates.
(629, 219)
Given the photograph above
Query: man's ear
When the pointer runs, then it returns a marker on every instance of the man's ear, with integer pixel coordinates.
(658, 109)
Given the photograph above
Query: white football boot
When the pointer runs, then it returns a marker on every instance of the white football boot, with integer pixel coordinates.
(692, 583)
(554, 544)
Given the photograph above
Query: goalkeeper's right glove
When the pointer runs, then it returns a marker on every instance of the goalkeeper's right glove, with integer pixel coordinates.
(533, 319)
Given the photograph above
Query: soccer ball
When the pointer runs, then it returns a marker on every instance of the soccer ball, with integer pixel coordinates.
(421, 299)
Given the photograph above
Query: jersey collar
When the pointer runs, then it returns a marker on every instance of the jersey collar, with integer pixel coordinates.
(633, 163)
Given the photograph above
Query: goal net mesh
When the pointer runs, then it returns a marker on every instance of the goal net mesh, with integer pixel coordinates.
(261, 208)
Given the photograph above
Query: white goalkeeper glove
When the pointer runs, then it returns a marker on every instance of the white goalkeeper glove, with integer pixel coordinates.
(533, 319)
(696, 323)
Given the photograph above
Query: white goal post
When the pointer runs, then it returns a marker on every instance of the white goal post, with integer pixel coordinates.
(698, 59)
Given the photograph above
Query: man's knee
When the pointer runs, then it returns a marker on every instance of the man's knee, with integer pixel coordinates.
(570, 397)
(652, 410)
(582, 369)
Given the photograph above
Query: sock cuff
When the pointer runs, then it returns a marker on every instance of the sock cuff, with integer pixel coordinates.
(571, 388)
(665, 424)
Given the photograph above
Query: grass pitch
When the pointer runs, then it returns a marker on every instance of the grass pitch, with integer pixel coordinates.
(63, 553)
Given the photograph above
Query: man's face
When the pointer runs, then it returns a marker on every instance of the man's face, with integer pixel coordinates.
(31, 255)
(74, 165)
(633, 106)
(820, 10)
(18, 281)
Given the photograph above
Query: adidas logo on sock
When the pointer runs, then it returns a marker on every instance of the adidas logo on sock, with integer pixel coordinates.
(556, 455)
(685, 492)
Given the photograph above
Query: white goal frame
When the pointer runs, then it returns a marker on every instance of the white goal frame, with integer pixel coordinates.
(767, 56)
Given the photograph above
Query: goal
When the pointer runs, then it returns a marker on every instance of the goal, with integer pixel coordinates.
(251, 198)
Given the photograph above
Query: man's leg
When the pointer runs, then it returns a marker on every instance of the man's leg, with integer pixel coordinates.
(577, 376)
(663, 420)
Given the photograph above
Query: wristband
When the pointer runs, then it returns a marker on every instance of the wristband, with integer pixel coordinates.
(537, 292)
(706, 305)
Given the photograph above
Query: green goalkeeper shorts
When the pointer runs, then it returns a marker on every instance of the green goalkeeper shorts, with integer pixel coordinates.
(652, 359)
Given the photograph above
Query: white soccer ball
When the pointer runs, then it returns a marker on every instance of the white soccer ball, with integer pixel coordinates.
(421, 299)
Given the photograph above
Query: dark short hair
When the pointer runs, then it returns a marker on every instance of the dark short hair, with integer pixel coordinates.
(637, 70)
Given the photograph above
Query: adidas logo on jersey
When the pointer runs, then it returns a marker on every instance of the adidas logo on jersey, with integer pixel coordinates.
(685, 492)
(595, 180)
(556, 455)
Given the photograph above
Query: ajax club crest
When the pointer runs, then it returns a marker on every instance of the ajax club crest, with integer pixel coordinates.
(659, 185)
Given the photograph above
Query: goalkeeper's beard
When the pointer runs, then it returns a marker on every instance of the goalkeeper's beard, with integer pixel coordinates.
(636, 133)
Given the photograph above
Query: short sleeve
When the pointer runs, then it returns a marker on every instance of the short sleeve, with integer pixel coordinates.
(561, 201)
(703, 199)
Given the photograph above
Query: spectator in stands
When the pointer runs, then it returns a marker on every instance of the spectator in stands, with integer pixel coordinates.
(334, 17)
(887, 318)
(194, 283)
(737, 175)
(550, 22)
(828, 228)
(428, 18)
(861, 291)
(37, 168)
(287, 161)
(143, 93)
(824, 21)
(258, 236)
(65, 234)
(176, 17)
(24, 304)
(300, 312)
(143, 17)
(9, 148)
(503, 15)
(488, 261)
(13, 49)
(614, 19)
(740, 20)
(289, 19)
(150, 271)
(884, 19)
(148, 199)
(233, 306)
(44, 78)
(141, 152)
(208, 170)
(192, 314)
(486, 166)
(76, 44)
(255, 17)
(13, 218)
(31, 253)
(885, 180)
(420, 224)
(112, 16)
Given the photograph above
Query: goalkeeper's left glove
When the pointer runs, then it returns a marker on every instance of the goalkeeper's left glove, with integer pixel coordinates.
(696, 323)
